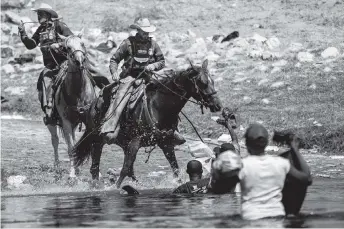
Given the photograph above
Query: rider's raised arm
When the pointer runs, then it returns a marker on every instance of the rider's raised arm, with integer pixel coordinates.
(121, 53)
(31, 43)
(158, 56)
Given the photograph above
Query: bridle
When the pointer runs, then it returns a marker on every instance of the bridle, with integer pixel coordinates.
(71, 56)
(203, 95)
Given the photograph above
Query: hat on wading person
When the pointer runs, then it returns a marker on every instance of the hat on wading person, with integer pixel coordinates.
(46, 8)
(257, 137)
(144, 25)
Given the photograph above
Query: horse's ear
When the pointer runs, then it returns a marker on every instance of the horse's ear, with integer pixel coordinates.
(81, 33)
(190, 62)
(62, 37)
(205, 64)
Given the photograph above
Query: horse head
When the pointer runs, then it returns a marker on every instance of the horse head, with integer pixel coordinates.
(76, 49)
(202, 87)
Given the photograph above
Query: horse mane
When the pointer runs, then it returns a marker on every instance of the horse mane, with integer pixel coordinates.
(172, 75)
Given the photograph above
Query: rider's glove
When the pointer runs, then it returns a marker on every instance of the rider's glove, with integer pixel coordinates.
(55, 46)
(150, 67)
(115, 76)
(21, 28)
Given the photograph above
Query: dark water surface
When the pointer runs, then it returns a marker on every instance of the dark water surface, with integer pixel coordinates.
(45, 202)
(158, 208)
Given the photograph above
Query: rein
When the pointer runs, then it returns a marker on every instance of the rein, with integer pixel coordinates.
(201, 103)
(180, 96)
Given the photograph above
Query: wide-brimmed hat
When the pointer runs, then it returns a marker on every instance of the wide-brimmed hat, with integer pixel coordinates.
(143, 24)
(46, 8)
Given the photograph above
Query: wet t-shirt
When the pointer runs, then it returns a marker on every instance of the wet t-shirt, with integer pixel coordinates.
(262, 180)
(199, 186)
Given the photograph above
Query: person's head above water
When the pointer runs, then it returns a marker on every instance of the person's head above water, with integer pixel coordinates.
(257, 138)
(223, 148)
(194, 169)
(227, 162)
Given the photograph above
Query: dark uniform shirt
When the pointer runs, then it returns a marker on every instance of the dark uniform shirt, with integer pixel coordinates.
(46, 35)
(141, 50)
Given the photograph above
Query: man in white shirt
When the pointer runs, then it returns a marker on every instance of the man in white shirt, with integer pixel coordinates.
(262, 177)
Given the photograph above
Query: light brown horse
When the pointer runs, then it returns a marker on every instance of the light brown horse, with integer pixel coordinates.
(151, 120)
(73, 97)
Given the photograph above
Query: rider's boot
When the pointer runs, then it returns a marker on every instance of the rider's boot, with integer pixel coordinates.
(48, 109)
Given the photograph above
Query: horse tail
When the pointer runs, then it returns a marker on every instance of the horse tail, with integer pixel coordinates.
(83, 148)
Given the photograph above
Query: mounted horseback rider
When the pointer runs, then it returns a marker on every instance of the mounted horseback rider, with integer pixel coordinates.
(51, 46)
(141, 56)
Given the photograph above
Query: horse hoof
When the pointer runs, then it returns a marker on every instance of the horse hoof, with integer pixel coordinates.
(134, 179)
(72, 181)
(109, 138)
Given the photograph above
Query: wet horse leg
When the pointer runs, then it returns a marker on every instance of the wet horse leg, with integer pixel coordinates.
(130, 153)
(96, 153)
(131, 173)
(171, 158)
(55, 143)
(68, 132)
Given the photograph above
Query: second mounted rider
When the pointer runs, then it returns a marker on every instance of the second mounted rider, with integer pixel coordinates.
(141, 55)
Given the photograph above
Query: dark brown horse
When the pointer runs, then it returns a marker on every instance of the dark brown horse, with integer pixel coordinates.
(151, 122)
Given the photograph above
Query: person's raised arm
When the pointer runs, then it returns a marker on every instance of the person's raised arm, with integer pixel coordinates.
(30, 43)
(300, 170)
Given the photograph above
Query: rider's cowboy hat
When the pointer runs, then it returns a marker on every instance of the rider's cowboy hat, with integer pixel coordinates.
(46, 8)
(144, 25)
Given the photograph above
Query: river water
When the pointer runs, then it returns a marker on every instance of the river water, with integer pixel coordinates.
(45, 201)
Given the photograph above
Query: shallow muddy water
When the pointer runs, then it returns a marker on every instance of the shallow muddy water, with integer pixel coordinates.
(44, 201)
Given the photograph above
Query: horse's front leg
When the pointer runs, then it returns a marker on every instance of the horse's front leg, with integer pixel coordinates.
(168, 150)
(130, 153)
(96, 153)
(68, 132)
(55, 142)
